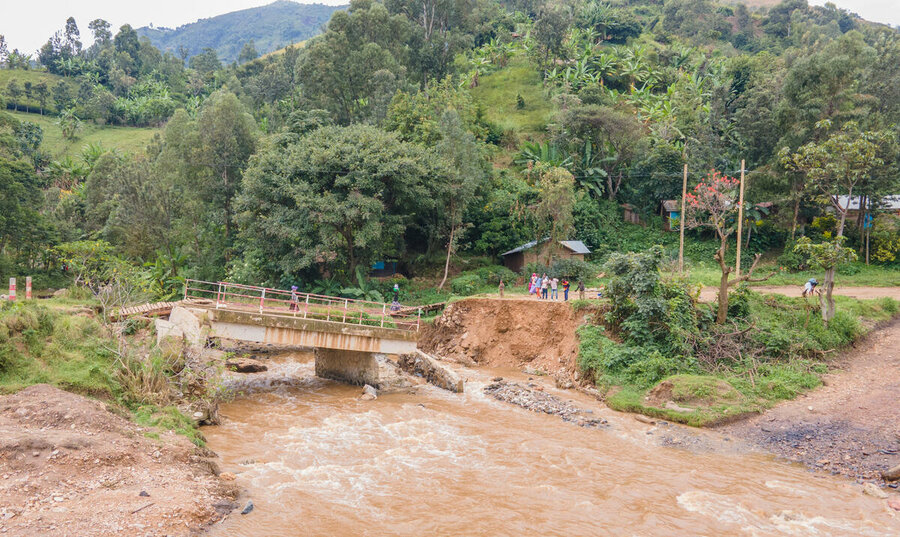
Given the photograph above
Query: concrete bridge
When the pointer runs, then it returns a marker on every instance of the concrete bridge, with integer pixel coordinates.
(352, 338)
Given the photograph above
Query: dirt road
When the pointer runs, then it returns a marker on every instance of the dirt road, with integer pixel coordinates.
(851, 425)
(708, 294)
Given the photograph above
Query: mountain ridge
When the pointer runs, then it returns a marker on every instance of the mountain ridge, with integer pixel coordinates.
(271, 27)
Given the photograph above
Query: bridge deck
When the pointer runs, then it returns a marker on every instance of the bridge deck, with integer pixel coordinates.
(292, 304)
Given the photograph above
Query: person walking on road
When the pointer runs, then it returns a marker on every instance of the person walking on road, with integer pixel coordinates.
(554, 288)
(580, 288)
(565, 284)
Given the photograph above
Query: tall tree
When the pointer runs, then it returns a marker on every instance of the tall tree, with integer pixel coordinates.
(101, 30)
(459, 149)
(334, 199)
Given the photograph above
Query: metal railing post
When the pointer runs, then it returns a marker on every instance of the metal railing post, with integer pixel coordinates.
(418, 319)
(306, 308)
(383, 313)
(344, 320)
(262, 299)
(219, 295)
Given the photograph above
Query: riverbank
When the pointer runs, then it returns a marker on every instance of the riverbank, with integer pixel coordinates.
(850, 425)
(95, 437)
(71, 466)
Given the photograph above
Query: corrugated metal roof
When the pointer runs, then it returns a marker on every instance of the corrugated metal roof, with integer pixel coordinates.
(891, 203)
(671, 205)
(576, 246)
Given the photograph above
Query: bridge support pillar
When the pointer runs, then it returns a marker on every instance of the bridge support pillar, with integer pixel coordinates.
(355, 367)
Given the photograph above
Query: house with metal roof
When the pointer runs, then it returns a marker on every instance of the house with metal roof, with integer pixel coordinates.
(540, 252)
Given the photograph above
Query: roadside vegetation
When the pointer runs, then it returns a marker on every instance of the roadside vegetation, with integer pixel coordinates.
(652, 348)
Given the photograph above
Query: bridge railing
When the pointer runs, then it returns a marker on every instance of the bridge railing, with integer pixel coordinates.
(301, 305)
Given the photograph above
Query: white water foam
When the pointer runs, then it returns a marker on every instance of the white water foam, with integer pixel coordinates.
(727, 510)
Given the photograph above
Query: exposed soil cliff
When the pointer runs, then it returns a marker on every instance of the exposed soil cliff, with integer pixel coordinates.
(530, 334)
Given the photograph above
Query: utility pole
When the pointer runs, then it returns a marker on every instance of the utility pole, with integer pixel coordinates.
(740, 222)
(681, 238)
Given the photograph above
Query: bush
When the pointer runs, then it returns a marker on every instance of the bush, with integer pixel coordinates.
(491, 275)
(791, 260)
(465, 285)
(573, 269)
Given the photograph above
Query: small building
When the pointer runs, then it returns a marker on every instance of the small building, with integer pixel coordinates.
(630, 215)
(538, 251)
(886, 205)
(670, 210)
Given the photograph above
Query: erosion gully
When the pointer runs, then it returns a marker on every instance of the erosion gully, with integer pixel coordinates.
(317, 461)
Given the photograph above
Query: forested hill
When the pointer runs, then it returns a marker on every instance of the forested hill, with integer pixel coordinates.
(270, 27)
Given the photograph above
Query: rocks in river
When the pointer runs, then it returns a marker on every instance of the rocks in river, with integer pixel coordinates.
(891, 475)
(227, 476)
(245, 364)
(247, 508)
(894, 502)
(872, 489)
(539, 401)
(368, 393)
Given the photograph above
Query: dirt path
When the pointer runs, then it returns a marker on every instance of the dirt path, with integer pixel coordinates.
(851, 425)
(708, 294)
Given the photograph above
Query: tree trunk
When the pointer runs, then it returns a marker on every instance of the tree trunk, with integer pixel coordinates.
(796, 217)
(447, 263)
(723, 298)
(843, 211)
(828, 307)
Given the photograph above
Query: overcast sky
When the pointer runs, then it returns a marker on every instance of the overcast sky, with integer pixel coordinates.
(27, 25)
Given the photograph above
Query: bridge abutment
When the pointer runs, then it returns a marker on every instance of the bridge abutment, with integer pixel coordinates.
(356, 367)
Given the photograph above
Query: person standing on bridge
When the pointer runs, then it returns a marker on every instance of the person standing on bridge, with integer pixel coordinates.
(295, 300)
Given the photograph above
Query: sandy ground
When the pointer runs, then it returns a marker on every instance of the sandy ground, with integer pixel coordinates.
(849, 426)
(70, 467)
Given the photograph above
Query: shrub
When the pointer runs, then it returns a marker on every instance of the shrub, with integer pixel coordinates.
(465, 285)
(573, 269)
(491, 275)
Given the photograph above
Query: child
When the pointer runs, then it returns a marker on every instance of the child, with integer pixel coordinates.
(580, 288)
(565, 284)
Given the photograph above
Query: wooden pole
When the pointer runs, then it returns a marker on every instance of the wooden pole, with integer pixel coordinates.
(681, 238)
(740, 223)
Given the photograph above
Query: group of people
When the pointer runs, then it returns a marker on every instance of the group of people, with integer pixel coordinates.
(539, 286)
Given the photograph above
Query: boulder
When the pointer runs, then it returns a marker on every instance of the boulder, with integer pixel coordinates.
(245, 365)
(61, 293)
(368, 393)
(894, 502)
(189, 321)
(874, 490)
(166, 329)
(891, 475)
(428, 367)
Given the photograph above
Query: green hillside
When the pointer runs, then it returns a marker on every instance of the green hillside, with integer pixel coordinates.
(125, 139)
(497, 94)
(21, 77)
(270, 27)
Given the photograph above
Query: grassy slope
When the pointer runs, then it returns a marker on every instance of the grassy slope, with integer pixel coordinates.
(61, 342)
(497, 91)
(22, 76)
(126, 139)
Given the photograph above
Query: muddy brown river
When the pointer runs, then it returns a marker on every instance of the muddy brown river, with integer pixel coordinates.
(316, 461)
